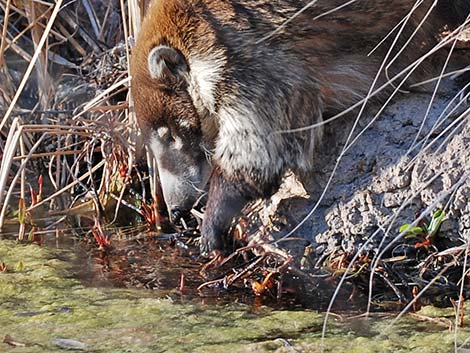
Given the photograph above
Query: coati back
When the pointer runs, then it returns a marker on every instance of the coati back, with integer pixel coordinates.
(214, 81)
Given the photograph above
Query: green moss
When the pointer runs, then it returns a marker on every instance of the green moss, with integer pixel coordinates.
(43, 302)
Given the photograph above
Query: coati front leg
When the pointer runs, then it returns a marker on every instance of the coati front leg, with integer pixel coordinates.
(227, 197)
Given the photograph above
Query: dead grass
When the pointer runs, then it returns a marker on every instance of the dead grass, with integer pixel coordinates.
(64, 87)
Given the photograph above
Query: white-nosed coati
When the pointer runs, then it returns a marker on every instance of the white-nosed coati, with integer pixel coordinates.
(212, 80)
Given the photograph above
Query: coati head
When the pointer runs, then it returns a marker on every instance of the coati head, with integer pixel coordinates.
(172, 126)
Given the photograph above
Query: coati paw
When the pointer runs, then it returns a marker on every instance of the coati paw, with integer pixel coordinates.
(210, 245)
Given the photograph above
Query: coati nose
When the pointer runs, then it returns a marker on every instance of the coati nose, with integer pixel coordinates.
(176, 214)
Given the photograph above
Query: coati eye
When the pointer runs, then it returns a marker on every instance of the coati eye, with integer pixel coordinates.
(165, 135)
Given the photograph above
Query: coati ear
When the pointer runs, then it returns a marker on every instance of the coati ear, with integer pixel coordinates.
(166, 64)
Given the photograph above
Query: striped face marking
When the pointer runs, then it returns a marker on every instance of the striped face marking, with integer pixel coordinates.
(183, 172)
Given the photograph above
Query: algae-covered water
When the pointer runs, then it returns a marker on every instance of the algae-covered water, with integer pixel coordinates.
(44, 307)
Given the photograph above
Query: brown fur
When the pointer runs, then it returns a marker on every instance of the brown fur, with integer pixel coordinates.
(313, 66)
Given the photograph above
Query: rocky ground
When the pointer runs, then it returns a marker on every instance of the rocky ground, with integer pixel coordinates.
(386, 179)
(408, 163)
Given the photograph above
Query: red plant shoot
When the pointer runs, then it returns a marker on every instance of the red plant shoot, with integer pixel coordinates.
(150, 215)
(101, 238)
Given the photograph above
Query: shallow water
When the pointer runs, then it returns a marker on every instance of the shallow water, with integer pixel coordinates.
(65, 291)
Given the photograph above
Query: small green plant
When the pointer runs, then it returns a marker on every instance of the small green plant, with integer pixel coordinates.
(428, 230)
(19, 266)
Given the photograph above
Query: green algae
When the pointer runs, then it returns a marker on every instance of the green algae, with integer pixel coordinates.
(41, 301)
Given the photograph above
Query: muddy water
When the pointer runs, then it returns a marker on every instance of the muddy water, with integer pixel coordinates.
(64, 296)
